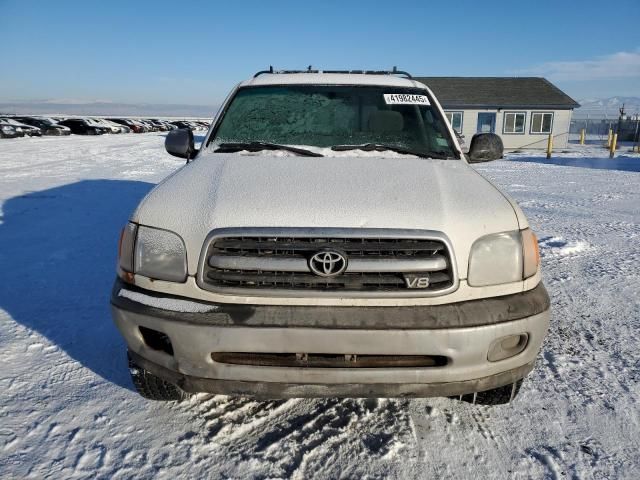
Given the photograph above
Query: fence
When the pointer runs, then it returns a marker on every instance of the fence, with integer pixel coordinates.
(629, 129)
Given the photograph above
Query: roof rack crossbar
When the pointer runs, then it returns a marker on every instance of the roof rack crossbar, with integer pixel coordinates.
(395, 71)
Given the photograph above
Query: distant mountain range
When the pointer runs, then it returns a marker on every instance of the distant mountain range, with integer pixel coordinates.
(606, 107)
(100, 108)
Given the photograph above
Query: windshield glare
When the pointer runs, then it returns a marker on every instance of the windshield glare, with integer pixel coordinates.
(327, 116)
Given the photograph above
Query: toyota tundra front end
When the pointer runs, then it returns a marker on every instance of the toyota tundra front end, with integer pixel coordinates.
(330, 239)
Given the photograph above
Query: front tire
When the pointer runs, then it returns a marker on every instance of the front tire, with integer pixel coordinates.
(495, 396)
(152, 387)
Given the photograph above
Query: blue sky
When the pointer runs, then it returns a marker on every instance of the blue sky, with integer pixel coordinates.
(194, 52)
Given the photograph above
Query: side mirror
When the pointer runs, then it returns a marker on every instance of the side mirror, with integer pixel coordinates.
(179, 143)
(485, 147)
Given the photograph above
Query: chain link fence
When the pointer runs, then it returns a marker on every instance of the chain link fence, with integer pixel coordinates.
(599, 128)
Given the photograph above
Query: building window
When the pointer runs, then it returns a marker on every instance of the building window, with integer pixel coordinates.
(541, 122)
(455, 119)
(514, 122)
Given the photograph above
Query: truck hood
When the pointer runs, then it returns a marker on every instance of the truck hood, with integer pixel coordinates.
(262, 190)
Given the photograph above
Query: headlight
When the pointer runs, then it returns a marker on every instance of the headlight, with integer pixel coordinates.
(503, 258)
(7, 128)
(154, 253)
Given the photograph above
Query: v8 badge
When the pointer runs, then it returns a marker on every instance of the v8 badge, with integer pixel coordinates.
(416, 280)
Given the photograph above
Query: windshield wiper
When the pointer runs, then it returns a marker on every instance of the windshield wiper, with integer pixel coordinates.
(377, 147)
(259, 146)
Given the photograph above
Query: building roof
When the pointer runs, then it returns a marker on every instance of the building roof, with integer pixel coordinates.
(498, 92)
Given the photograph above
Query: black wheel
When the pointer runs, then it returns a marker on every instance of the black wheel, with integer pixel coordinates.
(496, 396)
(153, 387)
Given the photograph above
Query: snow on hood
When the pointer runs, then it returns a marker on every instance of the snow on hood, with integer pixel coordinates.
(231, 190)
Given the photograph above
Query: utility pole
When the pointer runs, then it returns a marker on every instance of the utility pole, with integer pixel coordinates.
(636, 138)
(620, 119)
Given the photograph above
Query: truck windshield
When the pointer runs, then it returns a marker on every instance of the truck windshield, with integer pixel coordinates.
(336, 116)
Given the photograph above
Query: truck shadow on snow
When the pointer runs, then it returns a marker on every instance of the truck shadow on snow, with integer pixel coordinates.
(58, 250)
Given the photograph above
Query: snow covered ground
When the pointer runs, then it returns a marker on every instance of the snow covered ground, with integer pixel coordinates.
(67, 409)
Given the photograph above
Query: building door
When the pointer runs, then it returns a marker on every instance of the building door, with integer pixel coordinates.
(486, 122)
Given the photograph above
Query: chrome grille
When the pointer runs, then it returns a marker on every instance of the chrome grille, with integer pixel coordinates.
(277, 261)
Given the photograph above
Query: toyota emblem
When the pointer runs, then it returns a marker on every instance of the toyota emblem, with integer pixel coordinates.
(328, 263)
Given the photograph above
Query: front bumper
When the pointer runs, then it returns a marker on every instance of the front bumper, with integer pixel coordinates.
(461, 332)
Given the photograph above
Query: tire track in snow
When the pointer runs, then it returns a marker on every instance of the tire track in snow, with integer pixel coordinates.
(584, 459)
(290, 438)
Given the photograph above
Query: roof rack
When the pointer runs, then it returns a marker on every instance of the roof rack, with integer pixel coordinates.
(395, 71)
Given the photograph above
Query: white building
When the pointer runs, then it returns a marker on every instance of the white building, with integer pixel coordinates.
(522, 110)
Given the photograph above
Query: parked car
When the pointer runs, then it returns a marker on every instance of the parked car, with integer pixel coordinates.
(148, 125)
(158, 127)
(162, 125)
(7, 130)
(184, 124)
(46, 125)
(99, 122)
(115, 127)
(123, 128)
(81, 126)
(135, 127)
(352, 252)
(170, 126)
(27, 129)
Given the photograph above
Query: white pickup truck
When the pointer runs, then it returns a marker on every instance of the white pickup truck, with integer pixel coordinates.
(330, 239)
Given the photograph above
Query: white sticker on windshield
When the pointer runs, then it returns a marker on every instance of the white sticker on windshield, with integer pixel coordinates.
(405, 99)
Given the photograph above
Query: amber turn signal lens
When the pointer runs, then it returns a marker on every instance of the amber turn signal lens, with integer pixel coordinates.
(128, 277)
(531, 253)
(125, 247)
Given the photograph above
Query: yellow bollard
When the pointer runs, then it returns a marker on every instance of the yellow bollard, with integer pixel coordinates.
(549, 146)
(613, 145)
(582, 137)
(609, 138)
